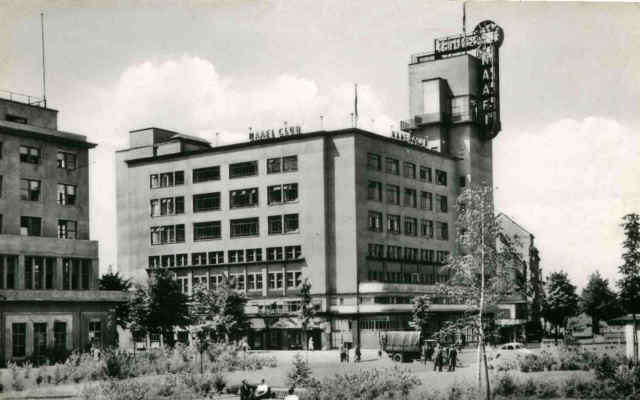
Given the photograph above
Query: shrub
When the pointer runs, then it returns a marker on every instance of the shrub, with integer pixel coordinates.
(300, 373)
(219, 382)
(505, 386)
(546, 390)
(532, 363)
(17, 383)
(529, 388)
(605, 368)
(118, 364)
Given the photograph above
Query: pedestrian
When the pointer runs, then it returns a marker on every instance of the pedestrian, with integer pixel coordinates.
(430, 352)
(311, 343)
(425, 353)
(246, 390)
(438, 358)
(358, 353)
(292, 395)
(352, 356)
(263, 391)
(453, 358)
(343, 353)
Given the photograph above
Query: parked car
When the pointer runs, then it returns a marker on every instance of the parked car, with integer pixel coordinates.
(508, 353)
(402, 346)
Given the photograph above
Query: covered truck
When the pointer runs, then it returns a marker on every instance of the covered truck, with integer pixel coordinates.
(402, 345)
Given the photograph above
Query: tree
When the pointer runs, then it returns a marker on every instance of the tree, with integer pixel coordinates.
(111, 281)
(561, 302)
(629, 283)
(598, 301)
(480, 275)
(160, 307)
(307, 309)
(421, 313)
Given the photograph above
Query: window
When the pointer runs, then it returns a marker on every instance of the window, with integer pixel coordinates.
(393, 194)
(244, 227)
(292, 252)
(442, 203)
(425, 174)
(85, 273)
(66, 160)
(409, 170)
(67, 229)
(30, 155)
(275, 224)
(394, 252)
(392, 166)
(290, 164)
(66, 273)
(254, 255)
(50, 272)
(376, 250)
(167, 234)
(66, 194)
(374, 191)
(291, 223)
(236, 256)
(254, 281)
(426, 201)
(274, 165)
(393, 223)
(441, 177)
(443, 230)
(95, 333)
(206, 202)
(238, 170)
(442, 256)
(275, 280)
(462, 181)
(28, 273)
(293, 280)
(167, 206)
(0, 182)
(60, 335)
(274, 253)
(426, 228)
(206, 174)
(199, 258)
(29, 190)
(243, 198)
(168, 260)
(290, 192)
(19, 337)
(167, 179)
(206, 230)
(40, 338)
(375, 221)
(282, 193)
(410, 199)
(11, 265)
(30, 226)
(154, 261)
(374, 162)
(411, 254)
(216, 257)
(410, 226)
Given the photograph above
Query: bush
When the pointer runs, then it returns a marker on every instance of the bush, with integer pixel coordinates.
(505, 386)
(300, 373)
(532, 363)
(219, 382)
(17, 383)
(605, 368)
(118, 364)
(546, 390)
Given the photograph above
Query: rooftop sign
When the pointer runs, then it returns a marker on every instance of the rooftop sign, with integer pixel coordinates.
(274, 133)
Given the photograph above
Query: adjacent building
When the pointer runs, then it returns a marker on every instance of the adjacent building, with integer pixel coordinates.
(368, 219)
(49, 300)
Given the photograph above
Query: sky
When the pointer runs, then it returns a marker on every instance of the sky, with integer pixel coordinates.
(566, 164)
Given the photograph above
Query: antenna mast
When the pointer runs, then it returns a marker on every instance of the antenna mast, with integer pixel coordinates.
(44, 71)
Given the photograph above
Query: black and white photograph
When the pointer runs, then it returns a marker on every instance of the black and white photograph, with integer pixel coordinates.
(319, 200)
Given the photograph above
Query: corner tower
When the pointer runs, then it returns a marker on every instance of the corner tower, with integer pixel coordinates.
(454, 99)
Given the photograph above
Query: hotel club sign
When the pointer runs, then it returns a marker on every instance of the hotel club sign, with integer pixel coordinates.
(485, 39)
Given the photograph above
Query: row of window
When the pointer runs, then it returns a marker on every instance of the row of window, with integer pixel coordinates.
(19, 338)
(31, 190)
(374, 193)
(212, 173)
(211, 230)
(407, 253)
(409, 169)
(424, 278)
(411, 228)
(254, 281)
(40, 273)
(233, 257)
(33, 155)
(32, 226)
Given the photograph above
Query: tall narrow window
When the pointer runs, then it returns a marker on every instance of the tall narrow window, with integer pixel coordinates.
(95, 333)
(66, 194)
(291, 223)
(19, 338)
(392, 166)
(50, 272)
(374, 191)
(67, 229)
(86, 273)
(28, 272)
(393, 194)
(60, 335)
(39, 338)
(66, 273)
(374, 162)
(66, 160)
(275, 224)
(29, 190)
(12, 266)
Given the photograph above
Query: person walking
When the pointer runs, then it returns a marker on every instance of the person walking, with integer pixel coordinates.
(343, 353)
(425, 353)
(358, 353)
(453, 359)
(437, 361)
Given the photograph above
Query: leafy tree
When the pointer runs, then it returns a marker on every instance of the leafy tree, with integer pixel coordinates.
(421, 314)
(160, 307)
(111, 281)
(307, 309)
(629, 283)
(598, 301)
(561, 302)
(480, 276)
(535, 290)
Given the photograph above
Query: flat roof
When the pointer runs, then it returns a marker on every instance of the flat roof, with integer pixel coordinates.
(281, 139)
(37, 132)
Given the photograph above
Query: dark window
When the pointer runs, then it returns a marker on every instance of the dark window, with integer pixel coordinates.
(282, 193)
(243, 198)
(182, 260)
(410, 197)
(410, 226)
(462, 181)
(19, 337)
(291, 223)
(275, 224)
(216, 257)
(244, 227)
(166, 179)
(393, 194)
(290, 192)
(167, 234)
(375, 221)
(374, 191)
(154, 261)
(86, 273)
(50, 272)
(409, 170)
(0, 181)
(206, 174)
(16, 118)
(75, 274)
(66, 273)
(274, 253)
(67, 229)
(30, 155)
(254, 255)
(443, 231)
(168, 260)
(206, 230)
(274, 165)
(392, 166)
(289, 163)
(441, 177)
(199, 258)
(426, 228)
(29, 190)
(425, 174)
(442, 203)
(374, 162)
(426, 201)
(12, 266)
(66, 194)
(28, 273)
(60, 335)
(236, 256)
(39, 338)
(95, 333)
(206, 202)
(238, 170)
(292, 252)
(393, 223)
(30, 226)
(179, 178)
(67, 160)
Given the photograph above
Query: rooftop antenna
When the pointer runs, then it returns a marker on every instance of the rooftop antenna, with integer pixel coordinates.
(355, 104)
(464, 22)
(44, 74)
(217, 135)
(322, 122)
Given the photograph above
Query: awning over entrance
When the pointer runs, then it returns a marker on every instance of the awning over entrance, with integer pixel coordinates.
(257, 324)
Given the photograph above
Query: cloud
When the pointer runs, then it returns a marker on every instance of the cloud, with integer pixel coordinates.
(570, 184)
(188, 95)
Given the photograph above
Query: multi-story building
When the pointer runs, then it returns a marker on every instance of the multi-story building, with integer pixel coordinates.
(48, 266)
(368, 219)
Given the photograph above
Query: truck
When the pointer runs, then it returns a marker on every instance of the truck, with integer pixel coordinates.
(402, 346)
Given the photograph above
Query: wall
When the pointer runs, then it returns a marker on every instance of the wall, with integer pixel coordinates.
(35, 115)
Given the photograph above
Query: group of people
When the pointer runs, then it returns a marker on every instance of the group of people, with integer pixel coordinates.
(345, 356)
(262, 391)
(442, 356)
